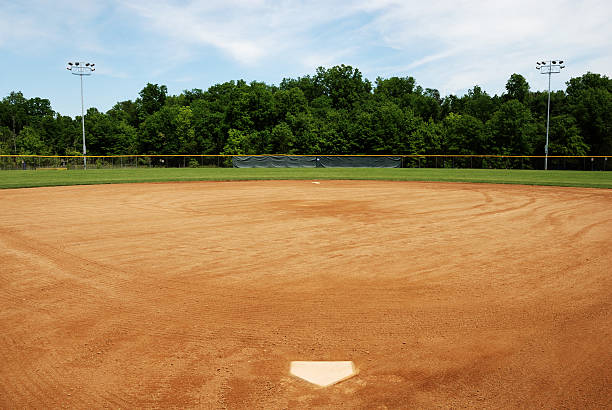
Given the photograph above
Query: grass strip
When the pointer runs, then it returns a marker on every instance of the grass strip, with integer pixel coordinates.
(43, 178)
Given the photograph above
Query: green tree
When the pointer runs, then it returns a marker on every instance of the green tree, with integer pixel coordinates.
(189, 96)
(517, 88)
(257, 104)
(282, 139)
(538, 104)
(238, 143)
(479, 104)
(127, 112)
(289, 101)
(380, 129)
(6, 141)
(333, 111)
(333, 128)
(186, 135)
(39, 107)
(208, 126)
(67, 135)
(565, 138)
(415, 136)
(427, 105)
(310, 86)
(395, 88)
(343, 84)
(512, 129)
(451, 103)
(15, 114)
(463, 134)
(106, 135)
(166, 131)
(29, 142)
(590, 102)
(306, 139)
(152, 99)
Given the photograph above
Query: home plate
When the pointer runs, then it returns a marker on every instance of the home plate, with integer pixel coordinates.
(323, 373)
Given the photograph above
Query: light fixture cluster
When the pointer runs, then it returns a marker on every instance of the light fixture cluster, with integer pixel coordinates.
(80, 67)
(556, 63)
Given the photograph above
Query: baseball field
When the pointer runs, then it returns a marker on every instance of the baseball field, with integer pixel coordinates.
(199, 294)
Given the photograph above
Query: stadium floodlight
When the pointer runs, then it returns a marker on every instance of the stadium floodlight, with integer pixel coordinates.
(550, 67)
(80, 68)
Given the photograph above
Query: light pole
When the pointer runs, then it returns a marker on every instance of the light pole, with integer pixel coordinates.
(81, 68)
(548, 67)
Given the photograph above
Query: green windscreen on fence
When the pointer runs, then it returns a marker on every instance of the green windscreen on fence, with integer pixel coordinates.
(321, 161)
(358, 162)
(274, 161)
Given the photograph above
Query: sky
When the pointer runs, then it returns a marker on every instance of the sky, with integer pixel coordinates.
(448, 45)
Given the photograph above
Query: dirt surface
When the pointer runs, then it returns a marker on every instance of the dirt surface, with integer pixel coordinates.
(198, 295)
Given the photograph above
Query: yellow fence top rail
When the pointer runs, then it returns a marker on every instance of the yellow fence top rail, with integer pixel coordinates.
(305, 155)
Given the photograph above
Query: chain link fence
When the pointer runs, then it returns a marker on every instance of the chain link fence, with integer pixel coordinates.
(41, 162)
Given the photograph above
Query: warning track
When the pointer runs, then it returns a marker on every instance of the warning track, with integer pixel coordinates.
(201, 294)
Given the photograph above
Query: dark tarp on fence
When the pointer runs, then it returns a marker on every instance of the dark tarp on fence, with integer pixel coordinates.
(274, 161)
(282, 161)
(359, 162)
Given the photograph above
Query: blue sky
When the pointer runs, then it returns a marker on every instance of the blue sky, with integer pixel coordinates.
(448, 45)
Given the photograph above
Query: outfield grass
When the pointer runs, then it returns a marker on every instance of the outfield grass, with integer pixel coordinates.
(41, 178)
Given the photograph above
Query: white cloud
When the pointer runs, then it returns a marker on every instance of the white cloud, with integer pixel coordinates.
(247, 31)
(17, 27)
(459, 41)
(450, 45)
(38, 25)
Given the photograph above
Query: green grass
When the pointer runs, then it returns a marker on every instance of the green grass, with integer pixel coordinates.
(41, 178)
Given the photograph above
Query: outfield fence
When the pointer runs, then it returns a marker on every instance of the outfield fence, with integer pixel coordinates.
(61, 162)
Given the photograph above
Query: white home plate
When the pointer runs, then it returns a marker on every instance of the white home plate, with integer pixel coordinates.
(323, 373)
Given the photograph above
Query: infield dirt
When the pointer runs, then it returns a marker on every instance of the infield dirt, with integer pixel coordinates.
(199, 295)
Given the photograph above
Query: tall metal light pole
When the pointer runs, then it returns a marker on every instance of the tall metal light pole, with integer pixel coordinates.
(548, 67)
(81, 68)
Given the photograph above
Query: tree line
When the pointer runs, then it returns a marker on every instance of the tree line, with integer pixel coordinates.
(334, 111)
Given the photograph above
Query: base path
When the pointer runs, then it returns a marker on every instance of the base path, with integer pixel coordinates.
(200, 295)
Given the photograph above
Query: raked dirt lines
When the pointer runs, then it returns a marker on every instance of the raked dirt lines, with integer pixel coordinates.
(200, 295)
